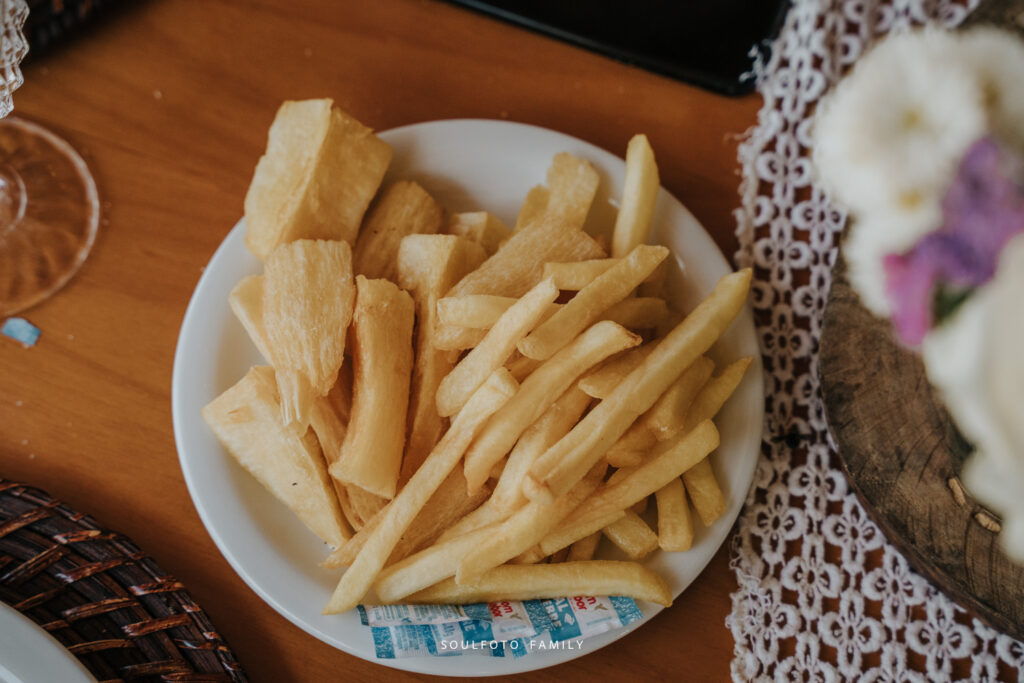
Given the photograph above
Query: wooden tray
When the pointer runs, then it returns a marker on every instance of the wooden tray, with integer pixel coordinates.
(103, 598)
(902, 456)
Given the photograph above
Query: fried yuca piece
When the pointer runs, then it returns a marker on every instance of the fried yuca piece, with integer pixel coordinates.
(318, 175)
(307, 307)
(328, 420)
(404, 208)
(247, 420)
(567, 461)
(481, 227)
(519, 264)
(537, 581)
(397, 517)
(590, 302)
(639, 197)
(571, 186)
(246, 301)
(371, 454)
(632, 535)
(428, 266)
(365, 504)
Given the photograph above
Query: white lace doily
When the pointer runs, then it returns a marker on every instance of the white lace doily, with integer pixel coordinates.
(822, 596)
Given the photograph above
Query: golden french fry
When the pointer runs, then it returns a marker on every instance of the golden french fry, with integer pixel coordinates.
(538, 391)
(246, 301)
(519, 264)
(591, 301)
(428, 266)
(576, 275)
(523, 530)
(247, 420)
(708, 499)
(706, 494)
(640, 506)
(531, 556)
(567, 461)
(481, 227)
(675, 525)
(456, 388)
(397, 517)
(483, 516)
(404, 208)
(448, 504)
(639, 196)
(663, 420)
(585, 548)
(536, 581)
(533, 206)
(669, 460)
(451, 338)
(520, 366)
(560, 556)
(307, 306)
(318, 175)
(633, 536)
(538, 437)
(601, 382)
(371, 455)
(478, 311)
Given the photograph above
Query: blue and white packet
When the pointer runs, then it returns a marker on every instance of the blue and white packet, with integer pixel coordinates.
(496, 629)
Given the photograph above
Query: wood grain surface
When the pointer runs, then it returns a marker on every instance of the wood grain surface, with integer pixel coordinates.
(169, 102)
(902, 455)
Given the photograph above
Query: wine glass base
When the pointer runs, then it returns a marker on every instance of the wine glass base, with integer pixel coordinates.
(49, 214)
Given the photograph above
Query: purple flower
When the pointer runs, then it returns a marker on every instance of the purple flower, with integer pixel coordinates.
(982, 211)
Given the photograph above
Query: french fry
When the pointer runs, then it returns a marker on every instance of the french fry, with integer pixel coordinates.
(531, 556)
(669, 460)
(538, 391)
(524, 529)
(307, 306)
(481, 311)
(481, 227)
(451, 338)
(664, 419)
(404, 208)
(639, 196)
(519, 264)
(428, 266)
(427, 567)
(560, 556)
(567, 461)
(585, 548)
(632, 535)
(520, 366)
(539, 436)
(536, 581)
(484, 515)
(675, 524)
(456, 388)
(397, 517)
(318, 175)
(576, 275)
(600, 383)
(246, 301)
(371, 455)
(708, 499)
(247, 420)
(591, 301)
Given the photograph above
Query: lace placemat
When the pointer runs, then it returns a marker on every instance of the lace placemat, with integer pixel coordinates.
(822, 596)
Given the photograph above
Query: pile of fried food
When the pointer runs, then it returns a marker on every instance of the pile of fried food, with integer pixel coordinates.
(460, 410)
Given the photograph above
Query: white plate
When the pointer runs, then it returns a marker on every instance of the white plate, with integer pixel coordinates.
(467, 165)
(29, 654)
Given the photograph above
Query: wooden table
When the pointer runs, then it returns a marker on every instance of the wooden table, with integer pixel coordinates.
(169, 102)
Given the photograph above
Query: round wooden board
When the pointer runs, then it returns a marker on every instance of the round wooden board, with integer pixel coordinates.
(902, 456)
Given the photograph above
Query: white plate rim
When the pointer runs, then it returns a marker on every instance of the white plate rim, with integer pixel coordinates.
(28, 653)
(673, 223)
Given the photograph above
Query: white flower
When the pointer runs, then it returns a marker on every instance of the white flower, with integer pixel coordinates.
(873, 235)
(974, 359)
(996, 58)
(890, 136)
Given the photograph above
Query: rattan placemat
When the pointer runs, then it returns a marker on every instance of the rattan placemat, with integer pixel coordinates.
(101, 597)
